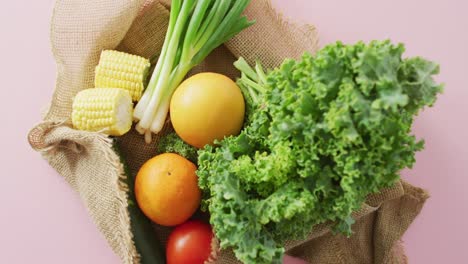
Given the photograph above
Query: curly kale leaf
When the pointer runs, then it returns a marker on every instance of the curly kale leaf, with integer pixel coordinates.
(322, 133)
(172, 143)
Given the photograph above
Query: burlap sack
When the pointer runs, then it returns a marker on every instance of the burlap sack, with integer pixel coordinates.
(81, 29)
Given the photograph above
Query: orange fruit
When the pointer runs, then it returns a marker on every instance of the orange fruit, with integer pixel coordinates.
(206, 107)
(166, 189)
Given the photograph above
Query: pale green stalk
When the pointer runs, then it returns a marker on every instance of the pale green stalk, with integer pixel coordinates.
(144, 101)
(163, 78)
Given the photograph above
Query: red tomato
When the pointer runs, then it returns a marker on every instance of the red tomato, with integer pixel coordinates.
(190, 243)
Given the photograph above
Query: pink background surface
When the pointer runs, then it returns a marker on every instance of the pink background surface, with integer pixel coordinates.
(43, 221)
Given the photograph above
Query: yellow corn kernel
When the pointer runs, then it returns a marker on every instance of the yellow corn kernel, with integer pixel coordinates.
(122, 70)
(108, 110)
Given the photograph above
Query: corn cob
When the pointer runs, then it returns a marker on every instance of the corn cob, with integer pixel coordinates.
(108, 110)
(122, 70)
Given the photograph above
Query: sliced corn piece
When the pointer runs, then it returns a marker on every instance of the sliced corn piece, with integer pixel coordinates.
(107, 110)
(122, 70)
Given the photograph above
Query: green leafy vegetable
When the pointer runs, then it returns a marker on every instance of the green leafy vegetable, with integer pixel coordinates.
(321, 134)
(196, 27)
(172, 143)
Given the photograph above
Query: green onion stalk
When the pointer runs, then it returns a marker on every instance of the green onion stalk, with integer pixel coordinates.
(196, 28)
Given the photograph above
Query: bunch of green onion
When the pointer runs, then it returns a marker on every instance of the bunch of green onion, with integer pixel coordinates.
(196, 28)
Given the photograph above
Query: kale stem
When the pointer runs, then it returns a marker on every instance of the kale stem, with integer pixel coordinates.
(243, 66)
